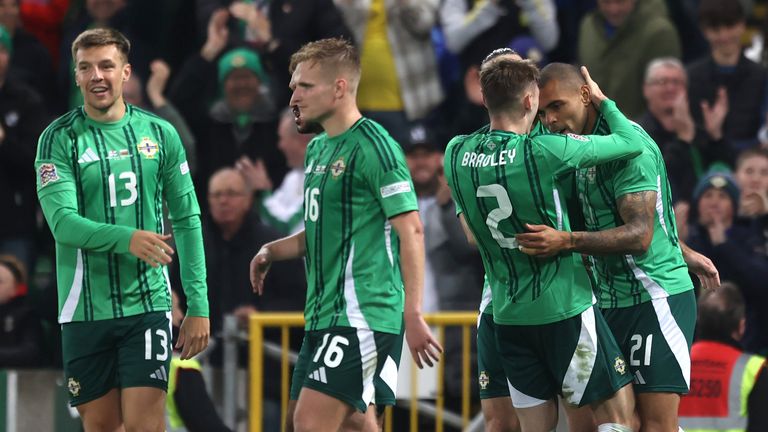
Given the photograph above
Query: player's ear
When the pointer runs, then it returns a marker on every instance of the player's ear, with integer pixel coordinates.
(127, 72)
(340, 87)
(585, 95)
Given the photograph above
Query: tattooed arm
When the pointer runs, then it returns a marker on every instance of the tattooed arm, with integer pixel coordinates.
(633, 237)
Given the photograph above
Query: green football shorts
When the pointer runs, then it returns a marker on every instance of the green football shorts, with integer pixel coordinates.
(655, 338)
(576, 358)
(133, 351)
(490, 370)
(356, 366)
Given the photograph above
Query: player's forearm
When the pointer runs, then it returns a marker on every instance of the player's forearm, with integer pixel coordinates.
(411, 234)
(626, 239)
(189, 245)
(71, 229)
(626, 144)
(293, 246)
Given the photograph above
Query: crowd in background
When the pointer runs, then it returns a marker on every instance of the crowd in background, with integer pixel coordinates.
(692, 72)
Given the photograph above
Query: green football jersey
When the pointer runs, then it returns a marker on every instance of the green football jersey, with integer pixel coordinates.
(627, 280)
(500, 181)
(115, 175)
(353, 184)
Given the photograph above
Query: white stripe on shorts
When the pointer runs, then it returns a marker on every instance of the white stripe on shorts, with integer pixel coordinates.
(669, 328)
(583, 360)
(368, 362)
(674, 337)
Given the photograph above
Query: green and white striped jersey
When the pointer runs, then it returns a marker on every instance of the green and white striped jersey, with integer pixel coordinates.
(115, 175)
(500, 181)
(354, 183)
(627, 280)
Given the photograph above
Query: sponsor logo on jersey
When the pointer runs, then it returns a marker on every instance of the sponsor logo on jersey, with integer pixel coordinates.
(591, 174)
(48, 174)
(581, 138)
(338, 167)
(73, 386)
(118, 154)
(395, 188)
(620, 365)
(147, 147)
(484, 380)
(320, 169)
(184, 168)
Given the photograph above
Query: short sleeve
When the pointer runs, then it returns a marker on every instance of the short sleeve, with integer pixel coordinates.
(53, 164)
(178, 180)
(448, 171)
(636, 175)
(387, 174)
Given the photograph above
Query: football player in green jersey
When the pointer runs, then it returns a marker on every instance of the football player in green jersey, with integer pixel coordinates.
(551, 337)
(364, 250)
(644, 289)
(104, 171)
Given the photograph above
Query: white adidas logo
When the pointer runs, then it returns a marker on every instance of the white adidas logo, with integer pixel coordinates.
(160, 374)
(639, 378)
(88, 156)
(319, 375)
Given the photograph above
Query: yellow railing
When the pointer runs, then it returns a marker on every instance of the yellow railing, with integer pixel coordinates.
(259, 321)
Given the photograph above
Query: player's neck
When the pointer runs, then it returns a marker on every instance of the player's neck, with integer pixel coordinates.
(110, 115)
(589, 126)
(341, 120)
(509, 122)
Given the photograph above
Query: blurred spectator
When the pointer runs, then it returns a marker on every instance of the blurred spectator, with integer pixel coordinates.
(20, 329)
(283, 207)
(189, 408)
(618, 40)
(278, 28)
(44, 18)
(133, 93)
(734, 249)
(482, 26)
(726, 90)
(752, 177)
(241, 120)
(729, 388)
(399, 80)
(688, 150)
(31, 62)
(232, 235)
(22, 119)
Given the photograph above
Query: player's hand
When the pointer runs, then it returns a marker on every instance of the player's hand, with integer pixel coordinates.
(259, 268)
(151, 247)
(703, 268)
(423, 346)
(193, 336)
(595, 93)
(542, 241)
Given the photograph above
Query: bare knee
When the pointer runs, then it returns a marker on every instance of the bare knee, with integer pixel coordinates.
(147, 425)
(502, 425)
(96, 423)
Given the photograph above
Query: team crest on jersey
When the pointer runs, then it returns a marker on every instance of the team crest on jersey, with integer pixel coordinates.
(73, 386)
(581, 138)
(620, 365)
(591, 174)
(338, 167)
(483, 380)
(147, 147)
(491, 145)
(48, 174)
